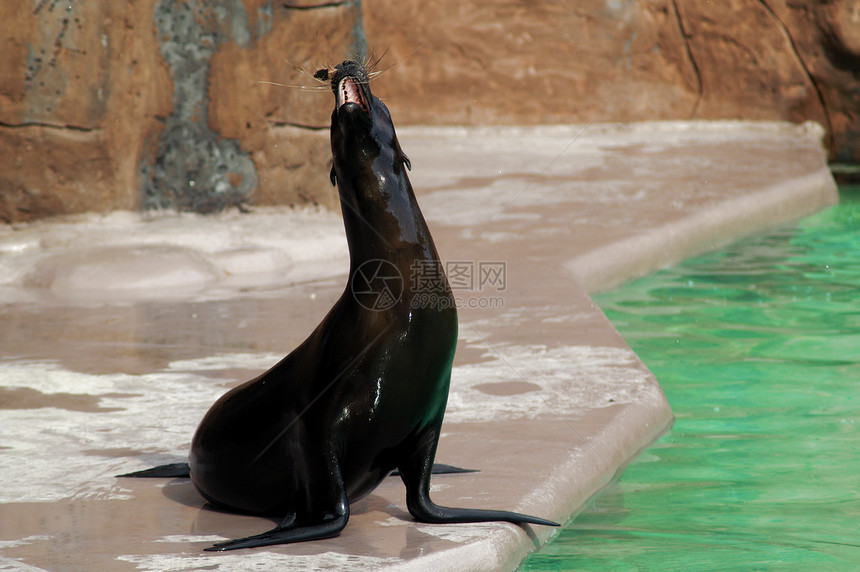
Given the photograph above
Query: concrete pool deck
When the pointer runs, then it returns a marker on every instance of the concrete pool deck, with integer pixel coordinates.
(119, 332)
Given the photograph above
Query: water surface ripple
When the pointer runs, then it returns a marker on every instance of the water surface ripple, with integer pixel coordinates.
(757, 347)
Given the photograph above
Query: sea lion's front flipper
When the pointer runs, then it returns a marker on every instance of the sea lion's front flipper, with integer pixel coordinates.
(320, 504)
(289, 530)
(171, 471)
(416, 471)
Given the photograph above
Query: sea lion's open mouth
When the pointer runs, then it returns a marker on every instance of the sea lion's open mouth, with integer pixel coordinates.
(349, 90)
(349, 82)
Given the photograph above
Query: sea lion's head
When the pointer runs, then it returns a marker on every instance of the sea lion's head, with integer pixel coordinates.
(361, 126)
(350, 83)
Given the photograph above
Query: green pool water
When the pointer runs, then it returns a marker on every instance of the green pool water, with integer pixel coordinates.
(757, 347)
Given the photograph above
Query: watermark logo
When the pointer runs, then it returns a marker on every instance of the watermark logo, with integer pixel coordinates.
(440, 302)
(476, 276)
(377, 285)
(492, 276)
(465, 278)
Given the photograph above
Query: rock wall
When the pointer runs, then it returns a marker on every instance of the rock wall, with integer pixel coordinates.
(556, 61)
(173, 103)
(82, 85)
(163, 103)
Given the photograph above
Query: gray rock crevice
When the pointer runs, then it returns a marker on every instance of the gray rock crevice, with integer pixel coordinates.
(194, 169)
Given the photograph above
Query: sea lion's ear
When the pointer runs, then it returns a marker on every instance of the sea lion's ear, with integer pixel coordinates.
(333, 177)
(407, 162)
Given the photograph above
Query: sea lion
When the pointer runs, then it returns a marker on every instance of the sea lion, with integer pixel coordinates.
(365, 394)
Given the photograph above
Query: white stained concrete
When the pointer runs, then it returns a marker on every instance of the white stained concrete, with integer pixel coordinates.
(106, 369)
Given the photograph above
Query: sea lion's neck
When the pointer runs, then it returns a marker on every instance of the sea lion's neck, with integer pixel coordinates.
(381, 215)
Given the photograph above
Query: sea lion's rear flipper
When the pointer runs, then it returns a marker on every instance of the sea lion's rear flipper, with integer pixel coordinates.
(442, 469)
(289, 531)
(171, 471)
(416, 472)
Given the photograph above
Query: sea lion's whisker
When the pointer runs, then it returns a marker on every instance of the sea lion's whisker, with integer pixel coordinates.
(303, 71)
(274, 83)
(296, 86)
(299, 69)
(369, 65)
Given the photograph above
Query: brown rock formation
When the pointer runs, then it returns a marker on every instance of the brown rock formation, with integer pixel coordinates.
(82, 87)
(117, 105)
(550, 61)
(284, 127)
(172, 103)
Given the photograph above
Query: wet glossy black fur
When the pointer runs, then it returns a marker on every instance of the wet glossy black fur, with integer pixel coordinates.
(366, 392)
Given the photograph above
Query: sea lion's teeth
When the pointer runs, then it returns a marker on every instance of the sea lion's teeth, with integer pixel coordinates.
(349, 92)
